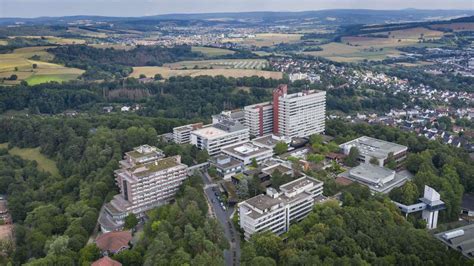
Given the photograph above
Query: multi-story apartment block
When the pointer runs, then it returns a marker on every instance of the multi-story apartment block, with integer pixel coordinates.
(259, 119)
(371, 148)
(144, 184)
(275, 211)
(224, 132)
(288, 115)
(300, 114)
(182, 134)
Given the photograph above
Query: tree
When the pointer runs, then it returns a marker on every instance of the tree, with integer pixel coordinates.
(352, 159)
(129, 258)
(131, 221)
(202, 156)
(280, 148)
(374, 161)
(254, 163)
(390, 162)
(35, 66)
(88, 254)
(212, 171)
(142, 76)
(158, 77)
(406, 194)
(243, 189)
(13, 77)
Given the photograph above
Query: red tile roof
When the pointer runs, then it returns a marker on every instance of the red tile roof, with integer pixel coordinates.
(106, 261)
(114, 241)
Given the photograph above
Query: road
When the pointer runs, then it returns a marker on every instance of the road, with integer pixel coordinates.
(232, 256)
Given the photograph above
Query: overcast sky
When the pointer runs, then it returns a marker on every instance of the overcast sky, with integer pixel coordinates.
(35, 8)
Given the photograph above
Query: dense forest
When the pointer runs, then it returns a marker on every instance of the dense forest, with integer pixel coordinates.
(108, 63)
(184, 97)
(52, 209)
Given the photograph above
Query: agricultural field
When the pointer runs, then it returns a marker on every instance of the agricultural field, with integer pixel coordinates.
(211, 52)
(266, 39)
(167, 72)
(358, 48)
(221, 64)
(55, 40)
(340, 52)
(3, 42)
(87, 33)
(20, 63)
(468, 26)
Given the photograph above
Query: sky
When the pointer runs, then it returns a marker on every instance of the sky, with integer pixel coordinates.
(36, 8)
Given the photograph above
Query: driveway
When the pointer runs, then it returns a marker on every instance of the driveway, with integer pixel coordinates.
(232, 256)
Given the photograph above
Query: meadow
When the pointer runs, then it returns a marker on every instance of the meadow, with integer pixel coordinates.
(20, 63)
(211, 51)
(34, 154)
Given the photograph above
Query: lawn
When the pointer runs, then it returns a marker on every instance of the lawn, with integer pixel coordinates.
(211, 52)
(34, 154)
(166, 72)
(21, 60)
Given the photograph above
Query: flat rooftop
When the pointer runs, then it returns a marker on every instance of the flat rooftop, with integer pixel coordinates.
(155, 166)
(378, 172)
(258, 105)
(245, 150)
(299, 183)
(267, 140)
(460, 239)
(280, 167)
(375, 147)
(371, 172)
(263, 202)
(209, 132)
(229, 161)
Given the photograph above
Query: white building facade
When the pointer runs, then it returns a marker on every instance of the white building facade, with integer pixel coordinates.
(221, 134)
(301, 114)
(143, 185)
(275, 211)
(182, 135)
(259, 119)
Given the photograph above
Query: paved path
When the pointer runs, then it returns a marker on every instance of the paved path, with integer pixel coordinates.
(232, 256)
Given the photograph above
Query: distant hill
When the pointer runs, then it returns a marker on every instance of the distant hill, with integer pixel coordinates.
(332, 16)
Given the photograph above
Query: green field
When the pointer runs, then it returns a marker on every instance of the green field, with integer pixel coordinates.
(211, 52)
(44, 78)
(34, 154)
(20, 63)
